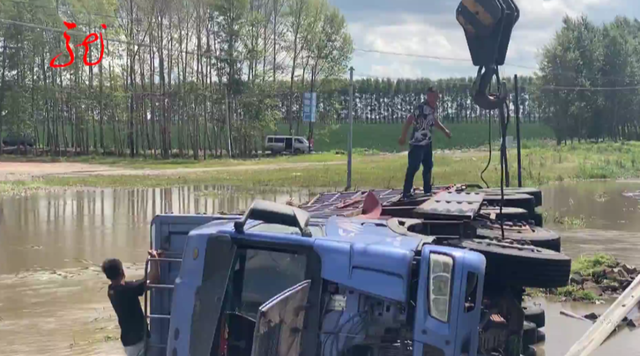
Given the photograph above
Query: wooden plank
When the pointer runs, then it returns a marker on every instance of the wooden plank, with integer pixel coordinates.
(606, 323)
(574, 316)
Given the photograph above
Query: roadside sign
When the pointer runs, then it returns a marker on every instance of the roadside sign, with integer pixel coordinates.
(309, 107)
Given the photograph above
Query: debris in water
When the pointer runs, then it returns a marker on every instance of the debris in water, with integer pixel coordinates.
(634, 195)
(593, 279)
(632, 320)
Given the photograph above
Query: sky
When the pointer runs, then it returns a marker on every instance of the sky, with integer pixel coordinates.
(429, 27)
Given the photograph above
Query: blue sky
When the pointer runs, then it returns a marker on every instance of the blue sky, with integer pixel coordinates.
(429, 27)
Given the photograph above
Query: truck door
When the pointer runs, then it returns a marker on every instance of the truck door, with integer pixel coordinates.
(448, 302)
(280, 321)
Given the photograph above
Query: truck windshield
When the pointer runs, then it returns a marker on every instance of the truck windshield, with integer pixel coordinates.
(260, 275)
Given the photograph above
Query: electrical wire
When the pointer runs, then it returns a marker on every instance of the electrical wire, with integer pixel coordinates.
(467, 60)
(338, 332)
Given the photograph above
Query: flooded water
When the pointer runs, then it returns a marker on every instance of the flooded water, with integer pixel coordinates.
(52, 293)
(562, 332)
(611, 220)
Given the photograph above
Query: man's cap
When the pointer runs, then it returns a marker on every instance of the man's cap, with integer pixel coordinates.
(431, 90)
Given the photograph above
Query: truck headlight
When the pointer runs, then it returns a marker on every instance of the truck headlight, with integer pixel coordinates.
(440, 268)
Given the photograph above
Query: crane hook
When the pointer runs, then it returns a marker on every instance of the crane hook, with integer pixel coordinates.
(487, 27)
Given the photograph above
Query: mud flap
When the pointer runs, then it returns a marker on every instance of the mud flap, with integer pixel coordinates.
(280, 323)
(220, 254)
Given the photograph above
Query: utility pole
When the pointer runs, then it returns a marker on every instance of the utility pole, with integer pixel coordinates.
(517, 108)
(350, 140)
(227, 109)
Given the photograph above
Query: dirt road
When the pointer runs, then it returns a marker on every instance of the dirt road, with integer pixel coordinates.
(21, 171)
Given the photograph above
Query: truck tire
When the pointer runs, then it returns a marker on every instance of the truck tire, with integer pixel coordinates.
(520, 264)
(522, 201)
(529, 351)
(538, 219)
(529, 334)
(534, 192)
(511, 214)
(542, 337)
(538, 236)
(534, 315)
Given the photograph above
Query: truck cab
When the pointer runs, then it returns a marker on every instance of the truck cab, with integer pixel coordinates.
(275, 282)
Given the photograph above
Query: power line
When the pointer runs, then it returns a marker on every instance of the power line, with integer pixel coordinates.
(433, 57)
(31, 25)
(552, 87)
(557, 72)
(546, 87)
(140, 44)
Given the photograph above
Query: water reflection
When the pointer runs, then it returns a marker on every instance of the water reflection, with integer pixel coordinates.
(67, 313)
(602, 204)
(60, 229)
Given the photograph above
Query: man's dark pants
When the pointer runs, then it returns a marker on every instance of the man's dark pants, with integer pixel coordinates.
(419, 155)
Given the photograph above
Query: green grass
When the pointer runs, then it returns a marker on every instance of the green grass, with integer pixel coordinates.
(590, 265)
(586, 266)
(570, 222)
(576, 294)
(384, 137)
(22, 187)
(542, 163)
(160, 164)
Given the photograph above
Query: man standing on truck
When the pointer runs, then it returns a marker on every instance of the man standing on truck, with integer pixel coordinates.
(124, 297)
(423, 119)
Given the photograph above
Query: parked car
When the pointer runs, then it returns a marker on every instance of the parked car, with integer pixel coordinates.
(13, 140)
(280, 144)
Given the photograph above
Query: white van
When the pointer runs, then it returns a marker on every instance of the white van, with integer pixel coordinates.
(280, 144)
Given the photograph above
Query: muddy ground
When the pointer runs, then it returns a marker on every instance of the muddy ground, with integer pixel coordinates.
(58, 312)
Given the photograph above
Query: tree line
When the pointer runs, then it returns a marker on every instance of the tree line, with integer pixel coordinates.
(210, 78)
(589, 80)
(198, 76)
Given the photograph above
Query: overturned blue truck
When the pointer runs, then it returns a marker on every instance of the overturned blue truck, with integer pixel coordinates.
(362, 273)
(355, 273)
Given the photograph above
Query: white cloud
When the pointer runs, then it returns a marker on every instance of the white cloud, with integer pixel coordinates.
(396, 70)
(438, 34)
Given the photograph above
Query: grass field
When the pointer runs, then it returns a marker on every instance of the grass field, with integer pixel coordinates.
(542, 161)
(384, 137)
(329, 139)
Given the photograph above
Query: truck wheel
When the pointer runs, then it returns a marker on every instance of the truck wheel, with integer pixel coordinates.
(529, 334)
(521, 201)
(542, 337)
(520, 264)
(537, 236)
(534, 315)
(535, 193)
